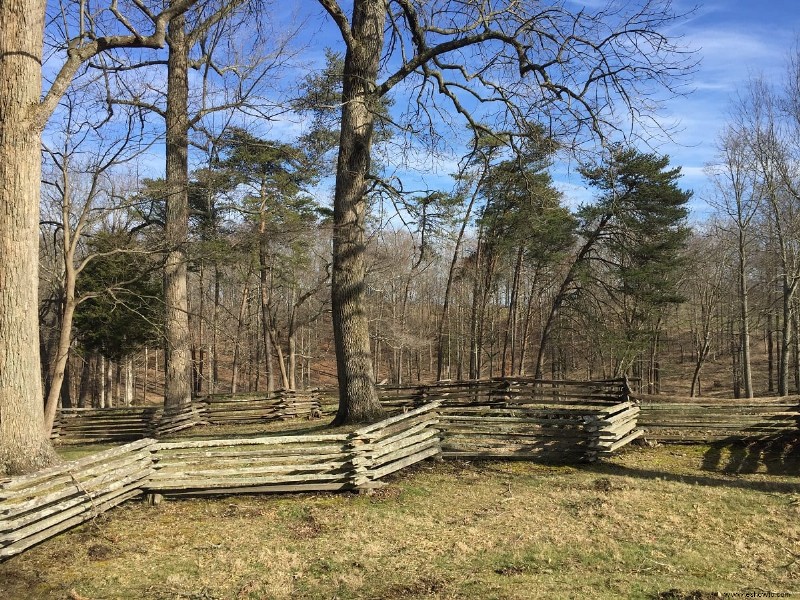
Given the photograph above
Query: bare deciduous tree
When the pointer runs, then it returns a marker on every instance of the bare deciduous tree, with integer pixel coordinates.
(517, 60)
(24, 444)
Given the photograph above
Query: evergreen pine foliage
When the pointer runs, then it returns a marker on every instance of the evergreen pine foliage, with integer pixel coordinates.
(124, 310)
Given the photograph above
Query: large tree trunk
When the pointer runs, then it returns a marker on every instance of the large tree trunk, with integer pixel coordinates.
(24, 446)
(358, 401)
(177, 381)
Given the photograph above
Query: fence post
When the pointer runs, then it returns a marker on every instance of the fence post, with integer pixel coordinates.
(360, 460)
(591, 425)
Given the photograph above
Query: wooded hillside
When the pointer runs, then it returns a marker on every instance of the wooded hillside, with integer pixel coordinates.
(222, 209)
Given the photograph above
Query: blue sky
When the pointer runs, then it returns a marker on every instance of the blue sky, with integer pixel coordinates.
(736, 39)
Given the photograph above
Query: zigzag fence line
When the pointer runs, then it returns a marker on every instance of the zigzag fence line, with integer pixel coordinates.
(527, 419)
(36, 507)
(119, 424)
(499, 419)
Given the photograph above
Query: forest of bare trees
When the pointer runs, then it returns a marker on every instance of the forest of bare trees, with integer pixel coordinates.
(229, 207)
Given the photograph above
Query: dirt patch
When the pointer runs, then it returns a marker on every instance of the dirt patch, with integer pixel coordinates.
(100, 552)
(385, 493)
(308, 526)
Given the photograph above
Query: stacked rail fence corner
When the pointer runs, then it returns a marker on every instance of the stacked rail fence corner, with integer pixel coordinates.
(518, 418)
(121, 424)
(36, 507)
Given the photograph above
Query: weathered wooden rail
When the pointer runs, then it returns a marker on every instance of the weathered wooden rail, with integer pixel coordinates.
(326, 462)
(527, 419)
(120, 424)
(89, 425)
(261, 407)
(693, 420)
(499, 419)
(36, 507)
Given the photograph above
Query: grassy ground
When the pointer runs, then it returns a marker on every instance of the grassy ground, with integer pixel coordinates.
(666, 522)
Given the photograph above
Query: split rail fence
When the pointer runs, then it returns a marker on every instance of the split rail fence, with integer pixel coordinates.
(120, 424)
(223, 409)
(502, 419)
(527, 419)
(693, 420)
(36, 507)
(508, 418)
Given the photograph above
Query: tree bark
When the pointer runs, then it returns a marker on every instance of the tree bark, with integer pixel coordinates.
(358, 401)
(129, 380)
(510, 338)
(212, 386)
(24, 446)
(564, 289)
(177, 380)
(62, 349)
(100, 376)
(85, 387)
(62, 354)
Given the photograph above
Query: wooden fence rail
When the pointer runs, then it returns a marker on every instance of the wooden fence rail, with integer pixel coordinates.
(89, 425)
(500, 391)
(265, 464)
(36, 507)
(500, 419)
(120, 424)
(614, 427)
(526, 419)
(326, 462)
(676, 419)
(259, 408)
(395, 443)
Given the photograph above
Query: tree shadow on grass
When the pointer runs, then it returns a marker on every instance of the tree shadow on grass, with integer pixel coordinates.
(758, 486)
(731, 458)
(774, 455)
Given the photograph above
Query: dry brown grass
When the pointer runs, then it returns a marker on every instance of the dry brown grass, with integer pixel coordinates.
(696, 519)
